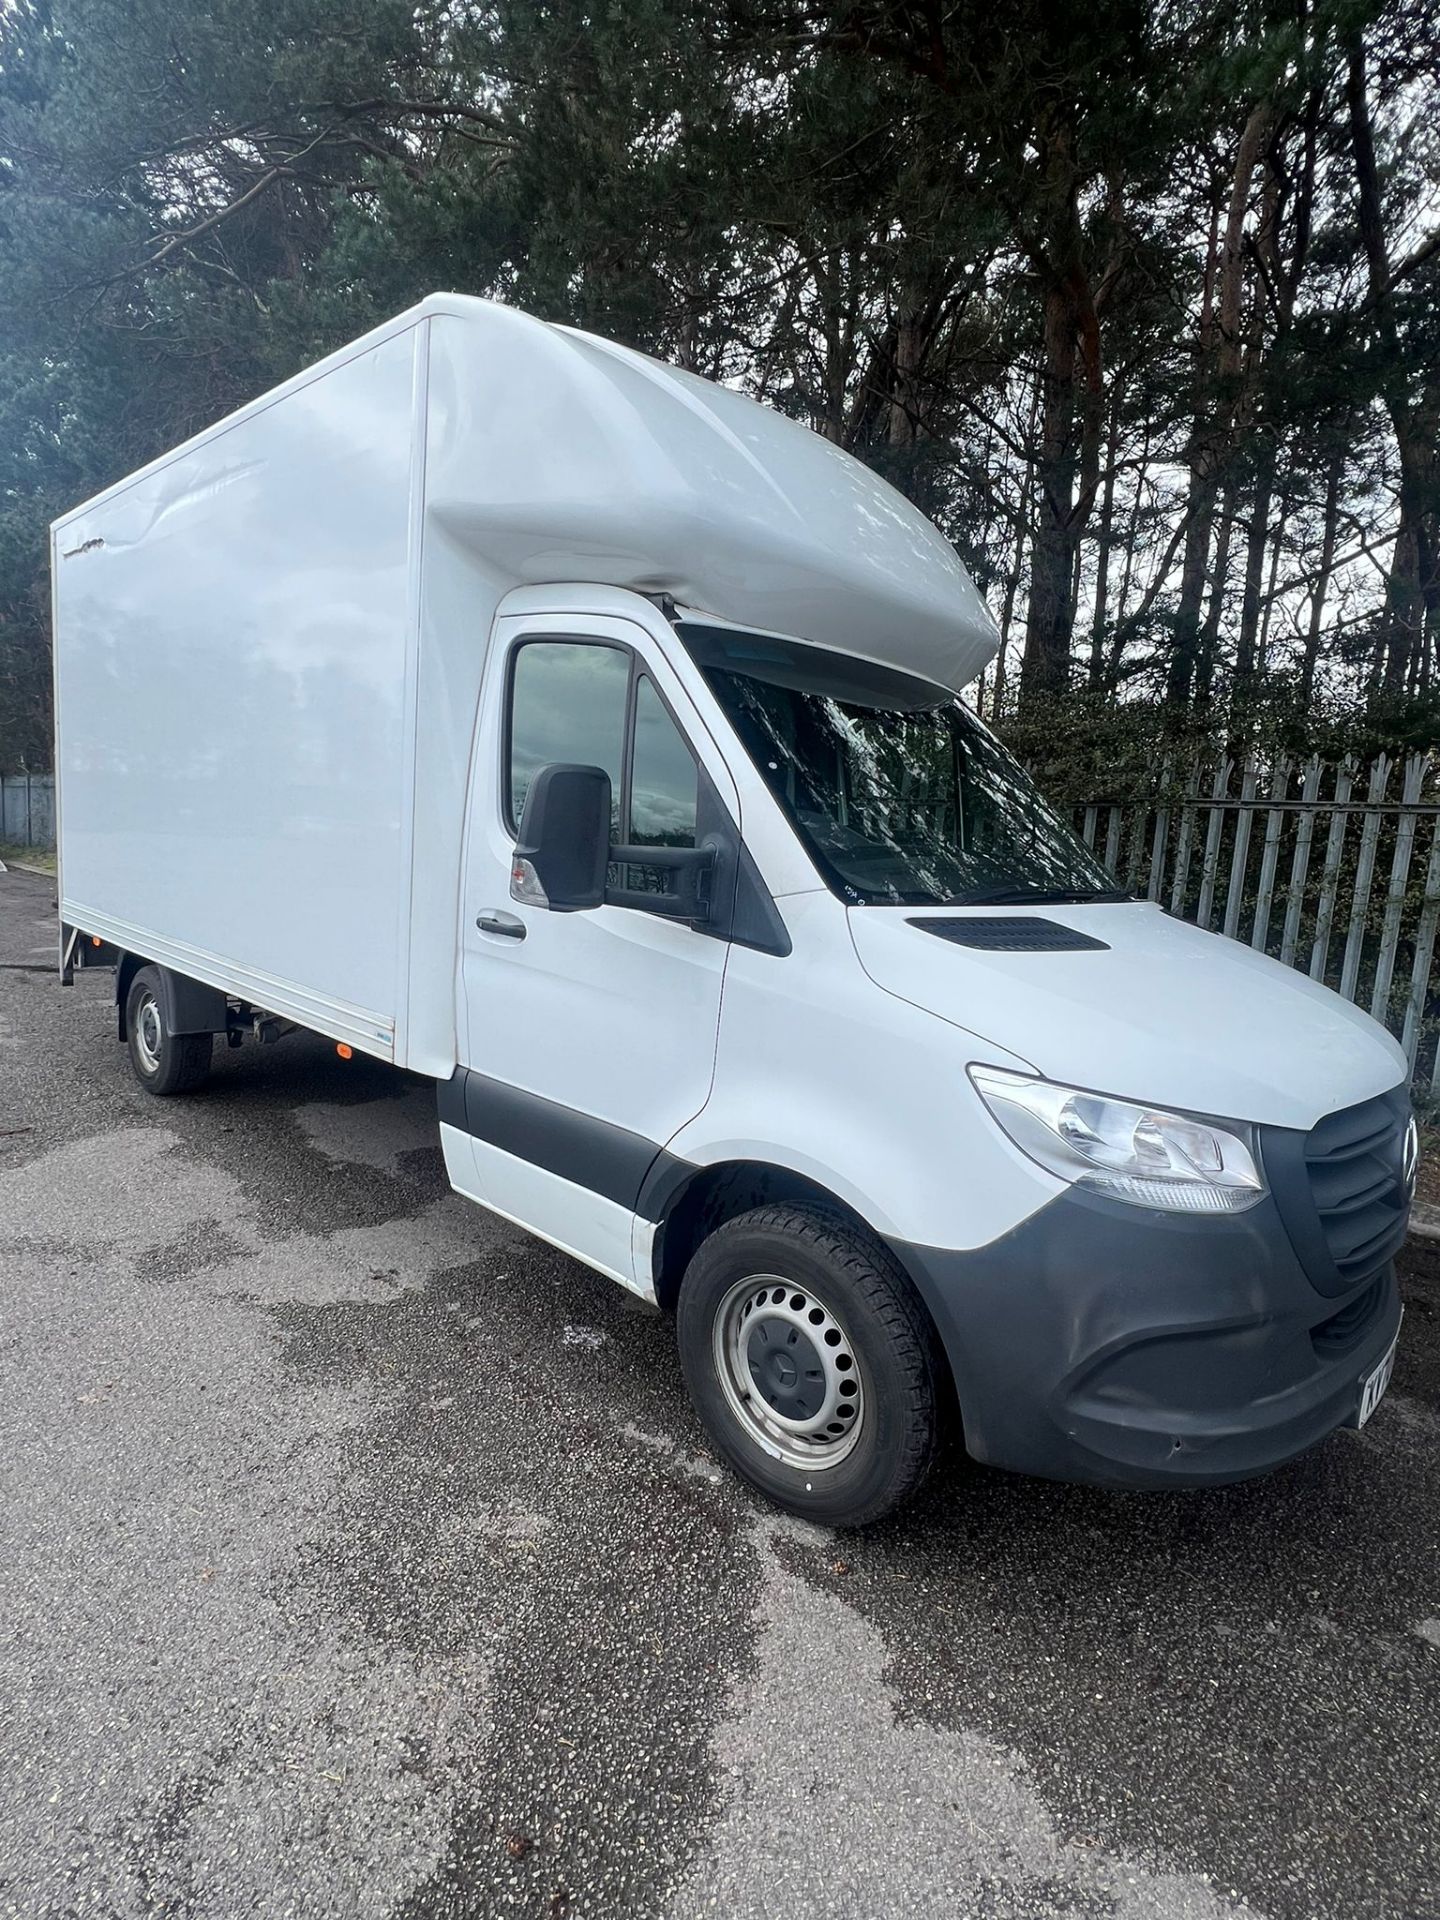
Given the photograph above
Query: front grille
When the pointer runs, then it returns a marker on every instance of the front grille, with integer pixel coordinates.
(1355, 1160)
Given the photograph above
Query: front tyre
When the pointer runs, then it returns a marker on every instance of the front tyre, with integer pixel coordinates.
(164, 1062)
(811, 1362)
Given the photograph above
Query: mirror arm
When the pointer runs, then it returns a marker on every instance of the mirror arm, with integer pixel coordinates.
(696, 864)
(681, 857)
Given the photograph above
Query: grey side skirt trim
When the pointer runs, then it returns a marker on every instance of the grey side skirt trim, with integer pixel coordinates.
(591, 1153)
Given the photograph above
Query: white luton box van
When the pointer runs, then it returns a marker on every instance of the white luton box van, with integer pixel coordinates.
(587, 737)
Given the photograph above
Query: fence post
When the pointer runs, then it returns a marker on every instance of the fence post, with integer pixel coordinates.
(1137, 848)
(1364, 875)
(1300, 863)
(1330, 873)
(1424, 953)
(1269, 858)
(1188, 811)
(1416, 768)
(1240, 856)
(1161, 838)
(1213, 830)
(1112, 843)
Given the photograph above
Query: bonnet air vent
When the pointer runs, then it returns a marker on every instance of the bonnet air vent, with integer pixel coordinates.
(1013, 933)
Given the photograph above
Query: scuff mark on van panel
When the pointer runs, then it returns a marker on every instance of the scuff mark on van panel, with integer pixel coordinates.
(154, 506)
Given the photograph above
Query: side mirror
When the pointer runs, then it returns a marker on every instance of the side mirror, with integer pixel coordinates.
(564, 844)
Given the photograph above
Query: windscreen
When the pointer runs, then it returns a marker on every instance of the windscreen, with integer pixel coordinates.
(900, 794)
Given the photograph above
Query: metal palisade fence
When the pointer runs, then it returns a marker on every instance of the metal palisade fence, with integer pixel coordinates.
(27, 810)
(1332, 867)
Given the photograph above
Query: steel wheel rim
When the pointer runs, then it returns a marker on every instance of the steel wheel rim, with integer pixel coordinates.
(789, 1372)
(149, 1034)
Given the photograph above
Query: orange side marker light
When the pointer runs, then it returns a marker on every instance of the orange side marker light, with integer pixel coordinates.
(96, 941)
(345, 1053)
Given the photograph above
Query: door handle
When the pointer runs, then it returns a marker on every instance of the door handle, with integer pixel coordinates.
(508, 925)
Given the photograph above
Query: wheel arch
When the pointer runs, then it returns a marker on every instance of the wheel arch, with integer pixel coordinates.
(126, 968)
(189, 1006)
(690, 1202)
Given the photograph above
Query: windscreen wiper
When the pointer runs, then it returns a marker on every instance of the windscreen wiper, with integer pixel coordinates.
(1050, 896)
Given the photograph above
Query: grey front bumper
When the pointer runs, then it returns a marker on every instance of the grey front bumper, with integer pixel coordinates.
(1102, 1343)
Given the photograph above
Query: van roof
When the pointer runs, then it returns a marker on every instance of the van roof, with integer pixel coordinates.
(645, 476)
(555, 455)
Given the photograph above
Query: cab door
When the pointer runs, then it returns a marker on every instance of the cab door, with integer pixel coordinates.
(590, 1036)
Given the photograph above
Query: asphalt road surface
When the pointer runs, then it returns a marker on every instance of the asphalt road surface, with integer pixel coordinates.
(361, 1557)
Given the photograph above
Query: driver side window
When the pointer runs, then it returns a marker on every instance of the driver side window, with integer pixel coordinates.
(589, 703)
(568, 705)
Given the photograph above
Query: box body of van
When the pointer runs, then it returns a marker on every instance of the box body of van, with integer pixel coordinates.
(586, 737)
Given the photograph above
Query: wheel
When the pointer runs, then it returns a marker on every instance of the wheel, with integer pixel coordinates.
(811, 1362)
(164, 1062)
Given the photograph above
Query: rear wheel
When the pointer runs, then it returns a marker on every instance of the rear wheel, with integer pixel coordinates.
(811, 1362)
(164, 1062)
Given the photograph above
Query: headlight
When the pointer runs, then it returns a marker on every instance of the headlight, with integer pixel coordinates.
(1131, 1153)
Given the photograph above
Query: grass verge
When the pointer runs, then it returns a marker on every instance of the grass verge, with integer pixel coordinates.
(38, 859)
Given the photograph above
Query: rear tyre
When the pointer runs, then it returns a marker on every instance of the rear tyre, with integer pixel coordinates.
(811, 1362)
(164, 1062)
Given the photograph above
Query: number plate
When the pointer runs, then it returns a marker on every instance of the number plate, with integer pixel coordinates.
(1372, 1387)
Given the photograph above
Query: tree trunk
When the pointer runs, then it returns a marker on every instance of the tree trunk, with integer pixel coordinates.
(1412, 578)
(1116, 648)
(1103, 546)
(910, 345)
(1050, 617)
(830, 277)
(1012, 585)
(1311, 655)
(1211, 445)
(1401, 629)
(1256, 545)
(1209, 650)
(1071, 426)
(1200, 507)
(1262, 644)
